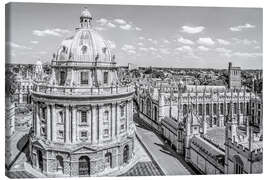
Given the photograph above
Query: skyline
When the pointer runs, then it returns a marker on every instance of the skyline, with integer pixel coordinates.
(157, 36)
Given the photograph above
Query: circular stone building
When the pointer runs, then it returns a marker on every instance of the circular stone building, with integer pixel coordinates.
(83, 116)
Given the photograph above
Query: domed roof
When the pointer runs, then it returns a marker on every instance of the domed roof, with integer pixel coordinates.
(86, 14)
(86, 45)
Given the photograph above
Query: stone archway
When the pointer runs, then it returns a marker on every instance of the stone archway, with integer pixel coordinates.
(60, 164)
(84, 166)
(108, 160)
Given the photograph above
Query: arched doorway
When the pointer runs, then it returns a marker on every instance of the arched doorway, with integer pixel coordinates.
(84, 166)
(60, 164)
(108, 160)
(126, 154)
(40, 160)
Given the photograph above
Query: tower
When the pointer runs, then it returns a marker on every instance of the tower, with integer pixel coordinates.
(234, 74)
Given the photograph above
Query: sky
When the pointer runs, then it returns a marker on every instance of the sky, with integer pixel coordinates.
(157, 36)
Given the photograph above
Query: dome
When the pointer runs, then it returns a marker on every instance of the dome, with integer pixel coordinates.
(85, 45)
(86, 14)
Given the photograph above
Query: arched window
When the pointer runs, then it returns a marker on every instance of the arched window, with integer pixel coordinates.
(221, 109)
(148, 107)
(185, 109)
(122, 110)
(106, 116)
(105, 77)
(126, 154)
(207, 109)
(238, 165)
(235, 108)
(242, 108)
(84, 49)
(108, 160)
(84, 166)
(59, 164)
(215, 108)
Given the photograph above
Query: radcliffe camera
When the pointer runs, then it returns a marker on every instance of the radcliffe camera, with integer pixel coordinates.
(126, 90)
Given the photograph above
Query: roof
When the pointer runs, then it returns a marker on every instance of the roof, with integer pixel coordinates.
(170, 122)
(217, 136)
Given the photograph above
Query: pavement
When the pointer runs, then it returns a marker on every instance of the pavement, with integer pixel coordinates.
(163, 155)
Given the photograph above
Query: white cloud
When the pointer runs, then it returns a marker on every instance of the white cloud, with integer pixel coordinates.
(153, 49)
(126, 27)
(164, 51)
(203, 48)
(120, 21)
(206, 41)
(140, 43)
(223, 42)
(245, 41)
(149, 39)
(34, 42)
(247, 55)
(241, 27)
(100, 28)
(184, 48)
(141, 38)
(138, 29)
(192, 30)
(102, 21)
(15, 45)
(111, 25)
(166, 41)
(185, 41)
(143, 49)
(223, 50)
(51, 32)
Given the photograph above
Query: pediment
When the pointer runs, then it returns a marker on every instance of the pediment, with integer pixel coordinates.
(84, 149)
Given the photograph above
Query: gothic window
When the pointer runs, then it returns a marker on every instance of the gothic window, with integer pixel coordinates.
(215, 108)
(43, 113)
(60, 164)
(105, 76)
(242, 108)
(228, 108)
(185, 109)
(221, 109)
(84, 49)
(207, 109)
(235, 108)
(148, 107)
(238, 165)
(200, 109)
(84, 117)
(108, 160)
(84, 77)
(248, 110)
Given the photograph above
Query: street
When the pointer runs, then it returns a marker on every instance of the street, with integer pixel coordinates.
(166, 159)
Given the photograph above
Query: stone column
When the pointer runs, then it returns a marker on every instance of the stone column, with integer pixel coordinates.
(113, 121)
(116, 119)
(53, 123)
(94, 122)
(74, 123)
(48, 121)
(67, 125)
(37, 120)
(100, 122)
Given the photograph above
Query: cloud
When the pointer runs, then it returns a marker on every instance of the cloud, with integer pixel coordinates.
(129, 48)
(18, 46)
(126, 27)
(141, 38)
(138, 29)
(245, 41)
(153, 49)
(223, 50)
(203, 48)
(242, 27)
(223, 42)
(166, 41)
(34, 42)
(120, 21)
(140, 43)
(50, 32)
(100, 28)
(143, 49)
(102, 21)
(164, 51)
(184, 49)
(192, 30)
(185, 41)
(247, 55)
(111, 25)
(206, 41)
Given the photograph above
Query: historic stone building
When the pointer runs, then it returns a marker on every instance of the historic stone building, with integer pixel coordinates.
(234, 74)
(83, 116)
(217, 130)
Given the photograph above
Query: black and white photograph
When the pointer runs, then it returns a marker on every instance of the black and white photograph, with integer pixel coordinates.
(132, 90)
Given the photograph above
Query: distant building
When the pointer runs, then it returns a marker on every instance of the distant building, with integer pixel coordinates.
(234, 74)
(9, 118)
(132, 66)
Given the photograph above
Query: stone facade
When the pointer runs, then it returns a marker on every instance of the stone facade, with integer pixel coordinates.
(83, 116)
